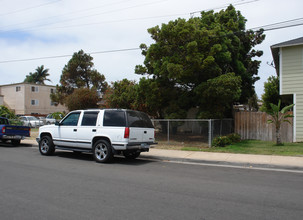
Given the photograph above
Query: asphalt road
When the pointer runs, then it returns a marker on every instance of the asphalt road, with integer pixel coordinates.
(70, 186)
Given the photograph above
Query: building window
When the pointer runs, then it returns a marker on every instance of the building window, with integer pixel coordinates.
(35, 102)
(35, 89)
(18, 88)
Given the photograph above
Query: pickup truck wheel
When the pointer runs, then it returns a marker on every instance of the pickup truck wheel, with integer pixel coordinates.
(131, 155)
(102, 151)
(15, 142)
(46, 146)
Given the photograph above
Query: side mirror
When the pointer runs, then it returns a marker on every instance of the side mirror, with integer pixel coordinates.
(57, 123)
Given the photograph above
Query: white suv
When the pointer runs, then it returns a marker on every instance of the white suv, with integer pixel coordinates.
(104, 132)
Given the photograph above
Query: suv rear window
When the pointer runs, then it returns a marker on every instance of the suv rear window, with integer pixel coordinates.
(138, 119)
(114, 118)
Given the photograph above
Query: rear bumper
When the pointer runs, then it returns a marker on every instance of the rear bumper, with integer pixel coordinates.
(134, 146)
(13, 137)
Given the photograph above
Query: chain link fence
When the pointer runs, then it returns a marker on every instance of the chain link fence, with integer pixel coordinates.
(191, 131)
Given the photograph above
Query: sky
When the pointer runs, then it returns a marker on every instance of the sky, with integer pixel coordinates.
(52, 30)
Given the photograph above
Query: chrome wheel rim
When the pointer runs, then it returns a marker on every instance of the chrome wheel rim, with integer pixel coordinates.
(44, 146)
(101, 151)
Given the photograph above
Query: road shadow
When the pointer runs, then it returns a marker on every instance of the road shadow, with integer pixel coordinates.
(89, 157)
(8, 144)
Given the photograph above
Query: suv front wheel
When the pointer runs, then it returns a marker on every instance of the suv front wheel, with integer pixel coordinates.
(46, 146)
(102, 151)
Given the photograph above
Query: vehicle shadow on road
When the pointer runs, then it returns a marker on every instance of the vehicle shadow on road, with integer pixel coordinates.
(10, 145)
(88, 157)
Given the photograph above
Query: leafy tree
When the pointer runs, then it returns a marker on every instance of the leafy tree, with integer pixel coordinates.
(271, 93)
(82, 98)
(188, 53)
(39, 76)
(121, 94)
(77, 74)
(6, 112)
(58, 115)
(278, 117)
(217, 95)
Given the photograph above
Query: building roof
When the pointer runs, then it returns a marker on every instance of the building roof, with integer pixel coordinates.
(289, 43)
(276, 48)
(22, 83)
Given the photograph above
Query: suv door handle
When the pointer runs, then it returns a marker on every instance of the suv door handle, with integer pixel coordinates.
(94, 130)
(145, 132)
(75, 130)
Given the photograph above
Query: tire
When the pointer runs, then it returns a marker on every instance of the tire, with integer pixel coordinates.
(131, 154)
(46, 146)
(16, 143)
(102, 151)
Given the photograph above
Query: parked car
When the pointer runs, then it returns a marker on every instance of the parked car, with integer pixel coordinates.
(104, 133)
(31, 121)
(50, 119)
(12, 133)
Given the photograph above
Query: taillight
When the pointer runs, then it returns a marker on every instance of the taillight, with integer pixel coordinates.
(29, 131)
(3, 130)
(126, 132)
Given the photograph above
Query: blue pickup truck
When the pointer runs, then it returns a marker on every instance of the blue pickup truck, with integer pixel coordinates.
(12, 133)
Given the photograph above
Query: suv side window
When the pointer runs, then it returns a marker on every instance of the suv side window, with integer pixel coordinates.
(114, 118)
(71, 119)
(89, 119)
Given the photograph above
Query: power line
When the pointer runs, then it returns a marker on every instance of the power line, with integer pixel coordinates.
(265, 27)
(62, 56)
(240, 2)
(67, 14)
(92, 15)
(29, 8)
(281, 25)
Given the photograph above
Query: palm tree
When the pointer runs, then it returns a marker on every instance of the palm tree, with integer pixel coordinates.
(39, 76)
(278, 117)
(42, 75)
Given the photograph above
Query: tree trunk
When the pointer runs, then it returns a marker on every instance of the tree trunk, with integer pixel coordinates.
(278, 136)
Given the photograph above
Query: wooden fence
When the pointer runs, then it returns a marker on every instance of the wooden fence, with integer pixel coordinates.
(253, 125)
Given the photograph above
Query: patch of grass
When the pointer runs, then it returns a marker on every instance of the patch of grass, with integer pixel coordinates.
(255, 147)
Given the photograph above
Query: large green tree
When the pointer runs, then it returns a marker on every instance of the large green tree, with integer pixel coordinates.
(120, 94)
(39, 76)
(188, 53)
(77, 74)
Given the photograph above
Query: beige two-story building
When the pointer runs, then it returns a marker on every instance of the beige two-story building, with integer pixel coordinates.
(29, 99)
(288, 58)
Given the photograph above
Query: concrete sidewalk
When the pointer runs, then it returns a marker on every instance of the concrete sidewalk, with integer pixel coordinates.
(227, 158)
(289, 162)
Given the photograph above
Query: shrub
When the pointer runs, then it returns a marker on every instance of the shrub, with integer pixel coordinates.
(234, 138)
(222, 141)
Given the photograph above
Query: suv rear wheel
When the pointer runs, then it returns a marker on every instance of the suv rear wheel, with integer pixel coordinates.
(102, 151)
